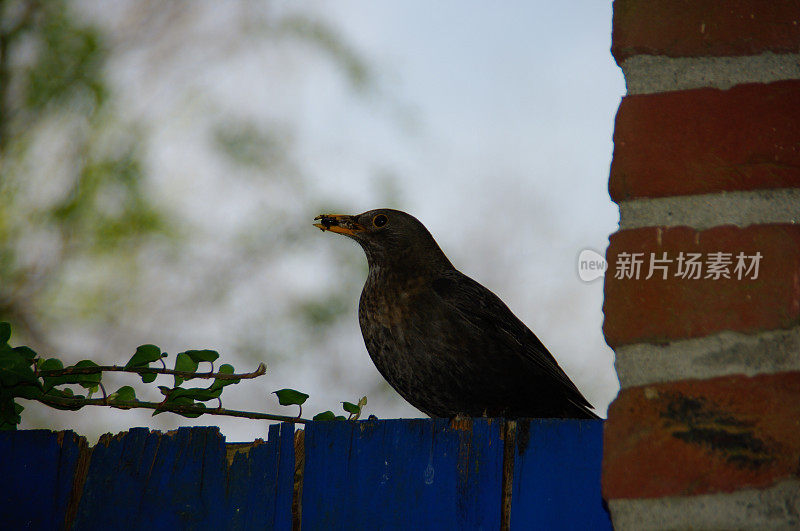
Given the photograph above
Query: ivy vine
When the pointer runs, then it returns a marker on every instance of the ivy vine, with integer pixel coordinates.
(26, 375)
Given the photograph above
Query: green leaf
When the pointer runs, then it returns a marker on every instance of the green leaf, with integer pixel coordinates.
(31, 392)
(5, 332)
(125, 393)
(204, 395)
(15, 369)
(290, 397)
(220, 383)
(202, 355)
(355, 409)
(87, 381)
(65, 393)
(325, 415)
(195, 393)
(182, 401)
(185, 363)
(149, 377)
(51, 364)
(351, 408)
(9, 414)
(26, 352)
(192, 415)
(144, 356)
(61, 393)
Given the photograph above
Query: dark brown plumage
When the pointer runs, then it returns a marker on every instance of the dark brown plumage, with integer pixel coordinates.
(447, 344)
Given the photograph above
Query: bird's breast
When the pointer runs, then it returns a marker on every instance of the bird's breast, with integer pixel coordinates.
(390, 305)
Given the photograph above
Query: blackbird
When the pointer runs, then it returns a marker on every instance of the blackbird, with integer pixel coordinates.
(447, 344)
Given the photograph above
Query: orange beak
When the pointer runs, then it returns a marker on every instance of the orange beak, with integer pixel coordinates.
(338, 223)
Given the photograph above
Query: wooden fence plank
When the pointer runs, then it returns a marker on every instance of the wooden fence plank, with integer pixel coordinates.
(557, 466)
(37, 469)
(260, 481)
(142, 479)
(284, 483)
(402, 474)
(390, 474)
(182, 480)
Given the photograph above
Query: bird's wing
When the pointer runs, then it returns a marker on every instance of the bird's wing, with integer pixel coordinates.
(486, 312)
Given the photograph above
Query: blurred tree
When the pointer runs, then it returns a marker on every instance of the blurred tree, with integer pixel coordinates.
(71, 179)
(91, 256)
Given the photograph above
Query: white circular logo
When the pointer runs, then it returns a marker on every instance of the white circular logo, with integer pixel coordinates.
(591, 265)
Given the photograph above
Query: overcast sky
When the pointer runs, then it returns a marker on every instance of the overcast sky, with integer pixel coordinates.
(511, 107)
(491, 123)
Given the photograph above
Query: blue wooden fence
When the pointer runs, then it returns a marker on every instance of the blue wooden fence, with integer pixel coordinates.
(387, 474)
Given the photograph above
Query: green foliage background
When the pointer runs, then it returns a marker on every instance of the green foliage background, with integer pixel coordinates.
(81, 224)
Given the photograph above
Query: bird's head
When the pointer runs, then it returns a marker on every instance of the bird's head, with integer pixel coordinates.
(388, 237)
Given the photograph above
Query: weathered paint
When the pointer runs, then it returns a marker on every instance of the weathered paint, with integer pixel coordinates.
(402, 474)
(392, 474)
(37, 469)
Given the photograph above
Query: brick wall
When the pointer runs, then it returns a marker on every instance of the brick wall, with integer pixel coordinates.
(705, 431)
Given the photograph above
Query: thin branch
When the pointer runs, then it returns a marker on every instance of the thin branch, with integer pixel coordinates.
(173, 408)
(186, 375)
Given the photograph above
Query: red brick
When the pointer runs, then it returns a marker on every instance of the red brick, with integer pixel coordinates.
(707, 140)
(658, 310)
(702, 436)
(692, 28)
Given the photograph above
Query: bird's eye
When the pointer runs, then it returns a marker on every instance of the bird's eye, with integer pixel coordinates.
(380, 220)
